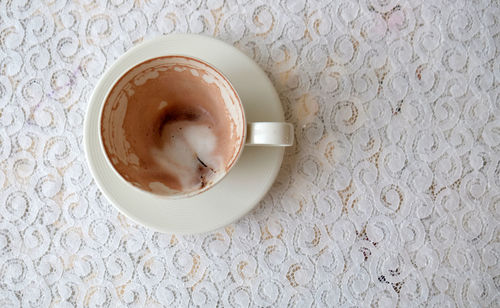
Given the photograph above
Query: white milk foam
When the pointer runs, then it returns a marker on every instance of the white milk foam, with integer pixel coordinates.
(189, 152)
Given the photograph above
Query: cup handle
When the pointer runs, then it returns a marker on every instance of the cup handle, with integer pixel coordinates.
(270, 134)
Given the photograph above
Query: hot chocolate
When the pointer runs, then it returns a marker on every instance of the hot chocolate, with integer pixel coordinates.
(172, 125)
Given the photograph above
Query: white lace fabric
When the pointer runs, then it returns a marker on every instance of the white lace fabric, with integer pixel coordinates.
(390, 197)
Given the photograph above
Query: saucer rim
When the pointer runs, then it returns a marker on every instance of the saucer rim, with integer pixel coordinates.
(276, 155)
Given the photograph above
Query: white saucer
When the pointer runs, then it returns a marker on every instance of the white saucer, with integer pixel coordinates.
(240, 190)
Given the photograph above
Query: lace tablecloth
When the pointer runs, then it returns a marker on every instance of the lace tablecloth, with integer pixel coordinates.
(390, 197)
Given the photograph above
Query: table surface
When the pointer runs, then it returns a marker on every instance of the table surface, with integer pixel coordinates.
(390, 197)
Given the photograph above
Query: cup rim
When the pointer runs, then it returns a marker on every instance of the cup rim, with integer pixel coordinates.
(230, 165)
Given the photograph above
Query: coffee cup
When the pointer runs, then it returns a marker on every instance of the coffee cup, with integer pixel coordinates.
(174, 126)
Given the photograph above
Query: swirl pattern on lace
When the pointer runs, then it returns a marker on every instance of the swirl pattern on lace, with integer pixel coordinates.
(390, 196)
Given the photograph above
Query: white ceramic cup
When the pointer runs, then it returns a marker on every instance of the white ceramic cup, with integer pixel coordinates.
(120, 155)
